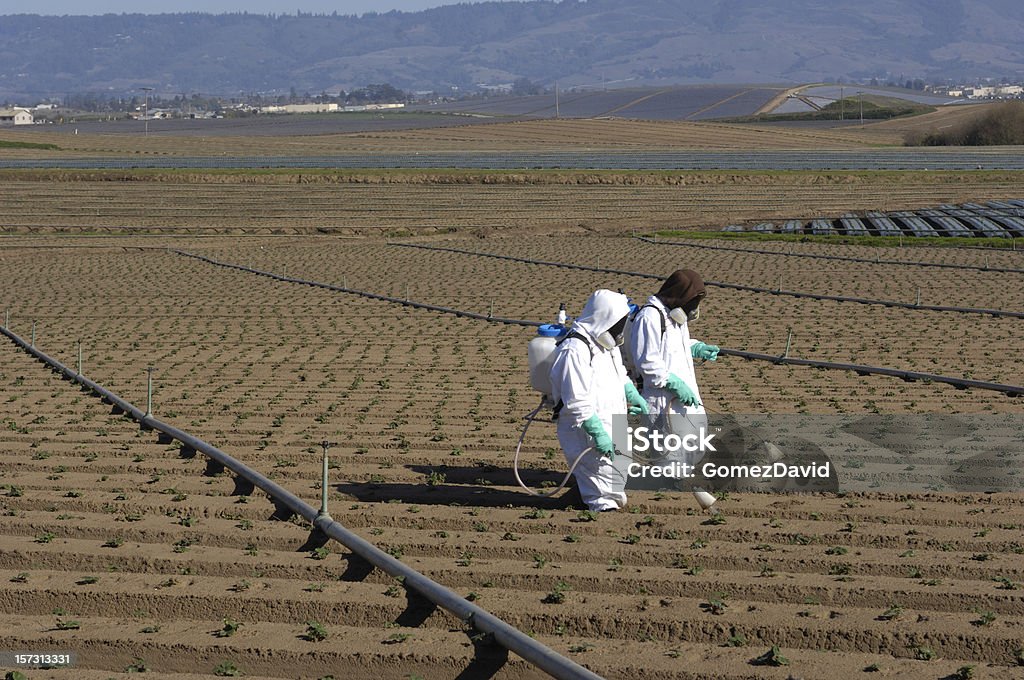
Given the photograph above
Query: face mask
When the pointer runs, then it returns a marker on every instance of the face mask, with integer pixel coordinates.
(678, 315)
(609, 341)
(614, 336)
(694, 314)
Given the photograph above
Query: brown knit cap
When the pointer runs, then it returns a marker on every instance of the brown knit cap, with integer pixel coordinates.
(681, 288)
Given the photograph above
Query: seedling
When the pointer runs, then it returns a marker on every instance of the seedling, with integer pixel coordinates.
(836, 550)
(114, 543)
(20, 578)
(537, 513)
(63, 624)
(148, 630)
(87, 580)
(587, 516)
(964, 673)
(893, 613)
(773, 657)
(737, 640)
(539, 561)
(924, 654)
(397, 638)
(136, 666)
(320, 553)
(182, 545)
(715, 605)
(227, 669)
(985, 618)
(45, 537)
(1006, 584)
(435, 478)
(229, 629)
(315, 632)
(557, 596)
(580, 648)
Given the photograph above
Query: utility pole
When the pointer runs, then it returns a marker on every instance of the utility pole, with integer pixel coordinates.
(145, 108)
(841, 102)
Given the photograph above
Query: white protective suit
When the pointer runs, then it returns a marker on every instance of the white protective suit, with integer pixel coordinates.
(656, 355)
(587, 385)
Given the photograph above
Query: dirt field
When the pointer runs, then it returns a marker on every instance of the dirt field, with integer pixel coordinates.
(105, 527)
(417, 202)
(547, 135)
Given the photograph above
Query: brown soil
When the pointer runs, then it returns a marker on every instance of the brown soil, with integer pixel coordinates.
(265, 370)
(417, 202)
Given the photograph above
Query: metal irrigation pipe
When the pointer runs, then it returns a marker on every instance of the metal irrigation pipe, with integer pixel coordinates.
(509, 637)
(730, 286)
(860, 369)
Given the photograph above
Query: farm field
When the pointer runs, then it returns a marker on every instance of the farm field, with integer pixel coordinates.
(533, 135)
(374, 203)
(125, 550)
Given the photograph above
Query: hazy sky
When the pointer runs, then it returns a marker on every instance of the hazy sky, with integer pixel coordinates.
(215, 6)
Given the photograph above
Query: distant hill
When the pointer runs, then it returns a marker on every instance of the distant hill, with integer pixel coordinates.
(621, 42)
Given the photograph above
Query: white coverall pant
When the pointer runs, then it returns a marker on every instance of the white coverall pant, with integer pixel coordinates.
(602, 486)
(670, 417)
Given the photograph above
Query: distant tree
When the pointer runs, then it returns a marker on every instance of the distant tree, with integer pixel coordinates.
(525, 86)
(1001, 125)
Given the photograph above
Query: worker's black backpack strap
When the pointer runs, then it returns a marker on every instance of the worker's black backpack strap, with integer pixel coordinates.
(579, 336)
(661, 314)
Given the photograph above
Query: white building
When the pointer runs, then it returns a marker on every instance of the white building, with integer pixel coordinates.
(16, 117)
(300, 108)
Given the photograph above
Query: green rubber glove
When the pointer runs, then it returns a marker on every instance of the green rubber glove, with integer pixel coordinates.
(602, 442)
(702, 350)
(681, 390)
(639, 404)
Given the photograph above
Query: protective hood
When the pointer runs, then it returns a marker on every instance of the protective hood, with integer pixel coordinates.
(682, 288)
(602, 311)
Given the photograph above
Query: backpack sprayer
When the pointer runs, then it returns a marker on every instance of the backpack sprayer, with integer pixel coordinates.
(541, 353)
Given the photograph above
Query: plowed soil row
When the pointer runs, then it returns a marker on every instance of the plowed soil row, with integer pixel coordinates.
(394, 203)
(548, 135)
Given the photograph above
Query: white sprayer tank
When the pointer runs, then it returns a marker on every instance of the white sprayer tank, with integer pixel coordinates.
(541, 351)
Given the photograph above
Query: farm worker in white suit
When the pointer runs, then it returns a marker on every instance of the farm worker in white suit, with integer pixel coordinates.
(590, 385)
(663, 355)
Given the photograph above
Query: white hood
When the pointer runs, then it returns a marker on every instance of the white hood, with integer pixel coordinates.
(602, 311)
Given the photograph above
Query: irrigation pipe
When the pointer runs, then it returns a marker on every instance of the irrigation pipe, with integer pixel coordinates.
(730, 286)
(859, 369)
(838, 258)
(481, 620)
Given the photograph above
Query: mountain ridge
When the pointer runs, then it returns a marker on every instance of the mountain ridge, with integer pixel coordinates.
(642, 42)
